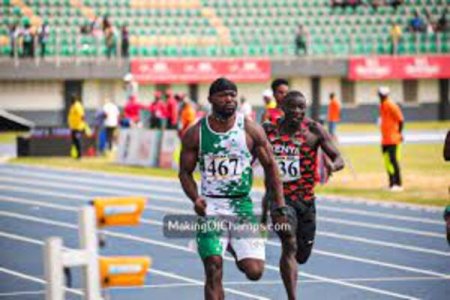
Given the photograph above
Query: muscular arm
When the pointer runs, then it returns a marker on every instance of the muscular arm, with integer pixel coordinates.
(263, 151)
(328, 146)
(188, 161)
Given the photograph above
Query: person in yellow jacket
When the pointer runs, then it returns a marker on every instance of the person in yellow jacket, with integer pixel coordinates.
(77, 126)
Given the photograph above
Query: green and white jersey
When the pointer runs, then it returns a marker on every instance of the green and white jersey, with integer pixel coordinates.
(225, 161)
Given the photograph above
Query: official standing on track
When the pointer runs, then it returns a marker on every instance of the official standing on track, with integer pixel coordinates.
(391, 137)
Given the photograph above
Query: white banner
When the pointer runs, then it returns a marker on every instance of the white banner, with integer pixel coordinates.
(139, 147)
(169, 156)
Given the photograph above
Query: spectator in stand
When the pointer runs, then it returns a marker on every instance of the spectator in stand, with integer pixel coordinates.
(14, 32)
(96, 28)
(338, 3)
(430, 22)
(28, 41)
(376, 3)
(172, 110)
(111, 122)
(106, 23)
(301, 40)
(353, 3)
(416, 24)
(246, 108)
(395, 3)
(43, 34)
(334, 114)
(442, 23)
(131, 111)
(110, 41)
(125, 36)
(158, 111)
(395, 34)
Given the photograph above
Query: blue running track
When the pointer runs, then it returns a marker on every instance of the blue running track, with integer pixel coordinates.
(363, 250)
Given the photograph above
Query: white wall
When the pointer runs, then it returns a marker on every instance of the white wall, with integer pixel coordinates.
(330, 85)
(251, 91)
(366, 91)
(428, 91)
(31, 95)
(96, 91)
(302, 84)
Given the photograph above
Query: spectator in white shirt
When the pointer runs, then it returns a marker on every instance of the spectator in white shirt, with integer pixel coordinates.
(111, 122)
(246, 108)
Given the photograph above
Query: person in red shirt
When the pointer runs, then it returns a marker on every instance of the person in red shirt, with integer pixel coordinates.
(334, 114)
(391, 137)
(280, 87)
(172, 110)
(158, 111)
(132, 110)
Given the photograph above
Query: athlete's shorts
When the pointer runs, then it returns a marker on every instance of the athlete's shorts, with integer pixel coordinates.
(302, 220)
(230, 222)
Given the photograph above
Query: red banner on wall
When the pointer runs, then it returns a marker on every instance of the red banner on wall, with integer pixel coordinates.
(403, 67)
(200, 70)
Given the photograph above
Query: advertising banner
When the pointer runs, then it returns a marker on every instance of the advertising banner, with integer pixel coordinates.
(139, 147)
(200, 70)
(402, 67)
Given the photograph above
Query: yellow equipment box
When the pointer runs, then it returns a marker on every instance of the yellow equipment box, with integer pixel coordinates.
(119, 211)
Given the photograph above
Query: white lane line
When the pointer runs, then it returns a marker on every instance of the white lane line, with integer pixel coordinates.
(200, 283)
(186, 249)
(16, 294)
(108, 183)
(354, 211)
(111, 191)
(154, 187)
(279, 282)
(383, 227)
(324, 233)
(345, 257)
(41, 243)
(36, 279)
(375, 262)
(385, 204)
(20, 238)
(37, 203)
(385, 244)
(154, 180)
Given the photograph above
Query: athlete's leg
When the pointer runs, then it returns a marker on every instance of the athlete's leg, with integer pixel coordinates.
(210, 246)
(252, 268)
(213, 283)
(306, 230)
(288, 263)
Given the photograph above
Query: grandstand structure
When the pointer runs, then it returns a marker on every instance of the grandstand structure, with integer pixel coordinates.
(349, 53)
(218, 28)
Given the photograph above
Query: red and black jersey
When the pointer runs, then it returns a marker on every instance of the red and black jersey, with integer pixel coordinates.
(296, 160)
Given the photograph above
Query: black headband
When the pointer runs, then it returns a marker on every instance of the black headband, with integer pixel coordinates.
(222, 84)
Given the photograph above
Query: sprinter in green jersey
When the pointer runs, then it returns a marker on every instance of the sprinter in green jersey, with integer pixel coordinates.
(224, 144)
